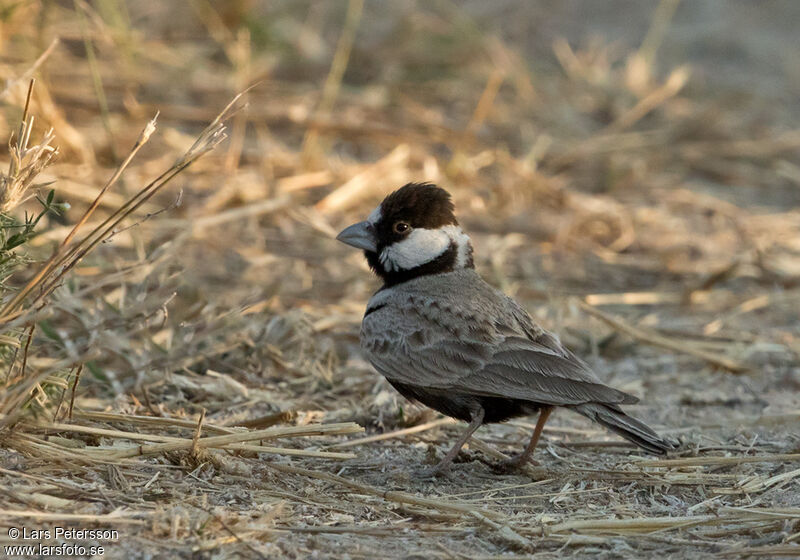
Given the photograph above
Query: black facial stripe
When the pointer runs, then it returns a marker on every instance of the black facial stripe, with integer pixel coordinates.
(443, 263)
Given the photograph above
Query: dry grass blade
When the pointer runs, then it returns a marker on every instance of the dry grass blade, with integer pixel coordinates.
(755, 484)
(390, 495)
(151, 421)
(206, 142)
(289, 452)
(622, 179)
(66, 256)
(397, 433)
(381, 177)
(10, 310)
(632, 526)
(643, 525)
(121, 517)
(338, 66)
(505, 532)
(675, 82)
(26, 161)
(30, 71)
(649, 337)
(233, 215)
(229, 439)
(774, 551)
(223, 441)
(19, 392)
(705, 461)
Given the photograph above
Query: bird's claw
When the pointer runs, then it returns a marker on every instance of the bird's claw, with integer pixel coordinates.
(513, 464)
(432, 472)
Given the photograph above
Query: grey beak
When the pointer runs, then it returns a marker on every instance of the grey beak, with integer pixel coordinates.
(360, 235)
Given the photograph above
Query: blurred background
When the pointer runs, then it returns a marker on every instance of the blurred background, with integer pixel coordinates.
(628, 170)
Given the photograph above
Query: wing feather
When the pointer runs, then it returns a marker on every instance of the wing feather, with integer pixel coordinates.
(485, 344)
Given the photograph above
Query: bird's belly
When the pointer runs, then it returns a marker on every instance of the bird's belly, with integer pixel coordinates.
(463, 406)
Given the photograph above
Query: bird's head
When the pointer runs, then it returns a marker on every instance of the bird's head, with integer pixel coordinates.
(411, 233)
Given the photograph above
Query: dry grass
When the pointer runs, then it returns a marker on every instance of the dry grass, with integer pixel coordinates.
(181, 363)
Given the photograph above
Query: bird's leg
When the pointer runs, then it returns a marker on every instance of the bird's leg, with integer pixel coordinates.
(444, 464)
(523, 457)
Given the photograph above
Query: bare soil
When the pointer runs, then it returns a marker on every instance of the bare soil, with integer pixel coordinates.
(631, 175)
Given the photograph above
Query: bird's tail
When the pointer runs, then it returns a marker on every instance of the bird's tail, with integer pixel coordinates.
(630, 428)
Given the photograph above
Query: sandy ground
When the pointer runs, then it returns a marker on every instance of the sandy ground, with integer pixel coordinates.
(648, 217)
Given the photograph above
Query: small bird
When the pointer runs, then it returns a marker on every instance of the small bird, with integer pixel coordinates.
(444, 337)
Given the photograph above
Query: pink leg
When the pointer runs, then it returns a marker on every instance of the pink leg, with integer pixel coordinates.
(521, 459)
(444, 464)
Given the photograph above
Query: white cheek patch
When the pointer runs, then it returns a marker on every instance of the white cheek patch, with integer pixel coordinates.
(424, 245)
(420, 247)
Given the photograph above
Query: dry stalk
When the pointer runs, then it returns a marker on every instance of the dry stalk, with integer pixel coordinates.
(10, 310)
(72, 393)
(334, 80)
(197, 432)
(648, 336)
(26, 161)
(171, 443)
(65, 257)
(397, 433)
(68, 254)
(380, 177)
(704, 461)
(30, 71)
(390, 495)
(225, 440)
(121, 517)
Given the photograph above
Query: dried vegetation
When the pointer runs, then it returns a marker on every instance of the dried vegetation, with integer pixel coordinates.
(179, 345)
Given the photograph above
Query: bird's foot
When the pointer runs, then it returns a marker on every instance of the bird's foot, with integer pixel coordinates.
(513, 464)
(440, 470)
(443, 468)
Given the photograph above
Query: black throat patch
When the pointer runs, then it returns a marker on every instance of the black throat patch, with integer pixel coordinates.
(446, 262)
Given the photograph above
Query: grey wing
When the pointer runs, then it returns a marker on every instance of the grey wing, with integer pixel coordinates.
(501, 353)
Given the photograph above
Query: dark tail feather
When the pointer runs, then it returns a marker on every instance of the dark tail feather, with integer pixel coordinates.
(630, 428)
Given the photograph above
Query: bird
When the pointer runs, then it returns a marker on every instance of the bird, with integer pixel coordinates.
(444, 337)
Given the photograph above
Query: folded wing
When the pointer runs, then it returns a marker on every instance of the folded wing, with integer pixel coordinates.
(489, 350)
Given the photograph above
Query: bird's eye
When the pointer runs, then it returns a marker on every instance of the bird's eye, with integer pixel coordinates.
(401, 227)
